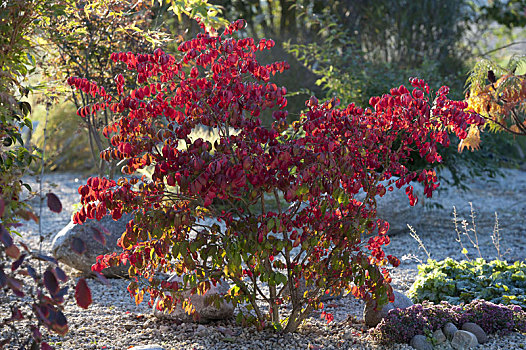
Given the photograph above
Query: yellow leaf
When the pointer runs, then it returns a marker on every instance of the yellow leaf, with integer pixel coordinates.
(464, 251)
(472, 141)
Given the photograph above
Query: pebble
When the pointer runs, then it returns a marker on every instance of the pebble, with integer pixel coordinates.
(147, 347)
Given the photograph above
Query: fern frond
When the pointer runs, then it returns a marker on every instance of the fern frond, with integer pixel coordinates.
(511, 83)
(516, 62)
(477, 77)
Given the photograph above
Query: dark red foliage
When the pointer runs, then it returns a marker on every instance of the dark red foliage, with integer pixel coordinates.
(51, 283)
(83, 294)
(78, 245)
(54, 203)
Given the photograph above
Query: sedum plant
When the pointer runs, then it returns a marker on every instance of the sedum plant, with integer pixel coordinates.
(214, 212)
(401, 325)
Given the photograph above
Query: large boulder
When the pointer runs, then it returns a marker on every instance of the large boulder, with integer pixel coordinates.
(205, 310)
(372, 317)
(92, 233)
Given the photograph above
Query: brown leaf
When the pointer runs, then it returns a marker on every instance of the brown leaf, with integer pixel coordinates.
(54, 203)
(27, 215)
(13, 251)
(59, 323)
(99, 236)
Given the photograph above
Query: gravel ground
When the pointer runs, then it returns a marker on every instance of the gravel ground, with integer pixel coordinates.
(113, 321)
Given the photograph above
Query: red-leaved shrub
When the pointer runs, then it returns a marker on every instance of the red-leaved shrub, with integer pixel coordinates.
(281, 202)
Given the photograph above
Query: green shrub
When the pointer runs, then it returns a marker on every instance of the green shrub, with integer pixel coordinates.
(464, 281)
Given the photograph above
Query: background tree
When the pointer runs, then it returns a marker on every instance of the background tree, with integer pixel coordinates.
(82, 37)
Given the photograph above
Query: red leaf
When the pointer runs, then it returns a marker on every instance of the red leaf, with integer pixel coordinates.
(78, 245)
(46, 346)
(2, 207)
(83, 294)
(53, 203)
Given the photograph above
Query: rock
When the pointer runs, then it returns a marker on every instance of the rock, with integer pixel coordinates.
(474, 328)
(449, 330)
(463, 340)
(147, 347)
(372, 317)
(439, 336)
(61, 246)
(420, 342)
(206, 311)
(443, 346)
(201, 330)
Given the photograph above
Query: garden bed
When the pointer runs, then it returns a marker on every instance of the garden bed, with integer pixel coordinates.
(113, 321)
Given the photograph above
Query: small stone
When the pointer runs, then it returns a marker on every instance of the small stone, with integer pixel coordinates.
(474, 328)
(449, 330)
(348, 335)
(439, 336)
(420, 342)
(463, 340)
(147, 347)
(129, 326)
(201, 329)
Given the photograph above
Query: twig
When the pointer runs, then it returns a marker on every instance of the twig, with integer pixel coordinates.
(474, 229)
(42, 164)
(413, 234)
(458, 239)
(495, 237)
(502, 47)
